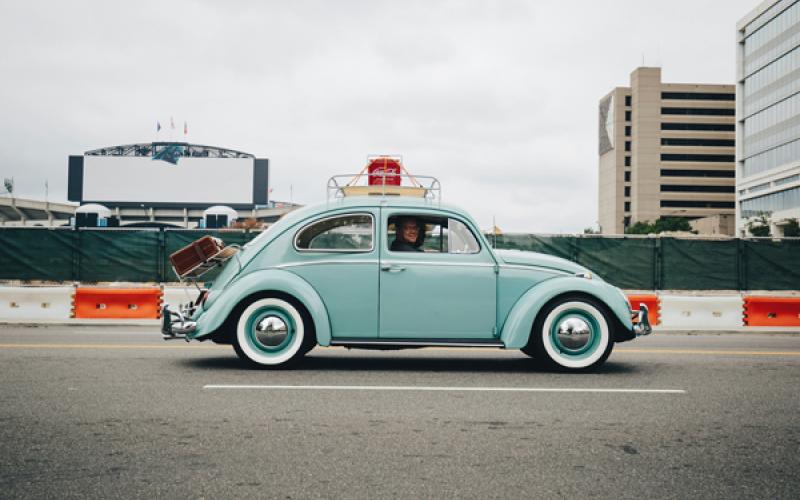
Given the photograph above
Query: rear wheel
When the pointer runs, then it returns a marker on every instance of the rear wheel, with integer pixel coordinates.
(271, 332)
(571, 334)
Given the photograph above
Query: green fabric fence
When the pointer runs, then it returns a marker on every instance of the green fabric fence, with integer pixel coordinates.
(142, 255)
(99, 255)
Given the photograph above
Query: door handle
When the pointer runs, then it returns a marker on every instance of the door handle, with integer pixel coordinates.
(392, 268)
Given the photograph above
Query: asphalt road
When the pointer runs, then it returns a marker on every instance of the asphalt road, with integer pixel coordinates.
(115, 412)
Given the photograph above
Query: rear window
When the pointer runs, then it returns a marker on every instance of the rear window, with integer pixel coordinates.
(345, 233)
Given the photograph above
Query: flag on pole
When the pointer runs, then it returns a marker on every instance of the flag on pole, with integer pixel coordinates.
(171, 123)
(158, 126)
(185, 128)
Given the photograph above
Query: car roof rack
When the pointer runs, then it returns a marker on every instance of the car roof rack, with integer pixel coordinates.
(384, 176)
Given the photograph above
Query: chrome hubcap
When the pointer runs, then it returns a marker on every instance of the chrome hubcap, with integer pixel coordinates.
(271, 331)
(574, 333)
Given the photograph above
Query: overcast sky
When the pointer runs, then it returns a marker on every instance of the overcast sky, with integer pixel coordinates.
(498, 99)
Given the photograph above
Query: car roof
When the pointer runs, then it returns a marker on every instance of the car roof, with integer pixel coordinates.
(371, 202)
(355, 202)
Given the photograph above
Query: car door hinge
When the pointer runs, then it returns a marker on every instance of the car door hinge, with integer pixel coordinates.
(494, 330)
(496, 269)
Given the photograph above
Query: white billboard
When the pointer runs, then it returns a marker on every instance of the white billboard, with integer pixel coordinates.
(137, 179)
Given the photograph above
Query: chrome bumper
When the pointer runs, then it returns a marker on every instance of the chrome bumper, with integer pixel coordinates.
(176, 324)
(641, 325)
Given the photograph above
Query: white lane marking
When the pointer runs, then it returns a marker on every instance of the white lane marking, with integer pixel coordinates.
(441, 389)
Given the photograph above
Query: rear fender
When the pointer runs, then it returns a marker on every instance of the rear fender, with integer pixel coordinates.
(517, 328)
(267, 280)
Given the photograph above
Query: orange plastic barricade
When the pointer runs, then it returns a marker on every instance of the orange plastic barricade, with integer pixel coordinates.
(118, 303)
(651, 301)
(772, 311)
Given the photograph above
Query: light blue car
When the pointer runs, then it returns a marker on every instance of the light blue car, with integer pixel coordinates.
(328, 275)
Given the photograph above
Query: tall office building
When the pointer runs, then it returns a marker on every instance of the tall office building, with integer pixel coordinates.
(666, 150)
(768, 114)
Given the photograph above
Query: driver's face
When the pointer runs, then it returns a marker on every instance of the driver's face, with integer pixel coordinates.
(410, 231)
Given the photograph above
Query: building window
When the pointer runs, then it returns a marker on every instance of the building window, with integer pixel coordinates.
(696, 204)
(627, 191)
(698, 157)
(787, 180)
(627, 161)
(628, 130)
(706, 127)
(760, 187)
(781, 200)
(698, 173)
(627, 100)
(627, 176)
(682, 188)
(698, 96)
(626, 221)
(699, 111)
(627, 206)
(668, 141)
(627, 145)
(627, 116)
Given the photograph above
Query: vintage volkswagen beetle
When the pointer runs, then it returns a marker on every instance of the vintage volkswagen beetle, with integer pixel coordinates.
(326, 275)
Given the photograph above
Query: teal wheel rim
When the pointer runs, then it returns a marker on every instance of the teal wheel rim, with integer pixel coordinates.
(257, 339)
(581, 317)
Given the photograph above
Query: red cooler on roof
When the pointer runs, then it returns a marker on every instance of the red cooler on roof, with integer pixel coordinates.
(384, 171)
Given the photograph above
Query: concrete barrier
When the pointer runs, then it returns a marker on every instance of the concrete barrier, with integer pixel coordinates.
(701, 312)
(771, 311)
(177, 295)
(651, 301)
(36, 302)
(120, 303)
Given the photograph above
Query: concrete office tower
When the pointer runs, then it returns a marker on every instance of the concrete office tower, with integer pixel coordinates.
(768, 115)
(667, 150)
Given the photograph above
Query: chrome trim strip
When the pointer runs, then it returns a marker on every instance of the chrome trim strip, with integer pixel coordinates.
(322, 262)
(417, 343)
(437, 264)
(538, 268)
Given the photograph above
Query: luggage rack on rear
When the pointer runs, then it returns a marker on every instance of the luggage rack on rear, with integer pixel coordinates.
(384, 176)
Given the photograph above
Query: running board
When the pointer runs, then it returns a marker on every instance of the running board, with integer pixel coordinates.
(344, 342)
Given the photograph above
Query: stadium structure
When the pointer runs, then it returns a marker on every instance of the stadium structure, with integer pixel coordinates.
(172, 184)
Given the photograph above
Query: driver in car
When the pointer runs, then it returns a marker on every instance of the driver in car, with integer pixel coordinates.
(409, 235)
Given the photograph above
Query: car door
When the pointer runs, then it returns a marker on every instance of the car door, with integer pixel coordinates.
(338, 255)
(447, 291)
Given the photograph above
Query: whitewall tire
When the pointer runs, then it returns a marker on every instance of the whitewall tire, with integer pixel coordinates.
(572, 334)
(270, 332)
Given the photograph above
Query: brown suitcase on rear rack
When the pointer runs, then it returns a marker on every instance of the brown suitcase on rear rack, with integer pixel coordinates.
(200, 256)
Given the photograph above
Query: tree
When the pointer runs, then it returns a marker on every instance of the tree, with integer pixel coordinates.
(759, 225)
(672, 224)
(792, 228)
(641, 227)
(659, 226)
(590, 230)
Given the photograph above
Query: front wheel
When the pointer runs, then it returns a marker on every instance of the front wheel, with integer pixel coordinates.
(571, 334)
(271, 332)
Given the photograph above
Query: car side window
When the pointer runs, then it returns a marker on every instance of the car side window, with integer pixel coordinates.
(345, 233)
(460, 239)
(416, 233)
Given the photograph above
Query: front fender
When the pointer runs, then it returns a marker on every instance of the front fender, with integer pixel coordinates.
(519, 322)
(266, 280)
